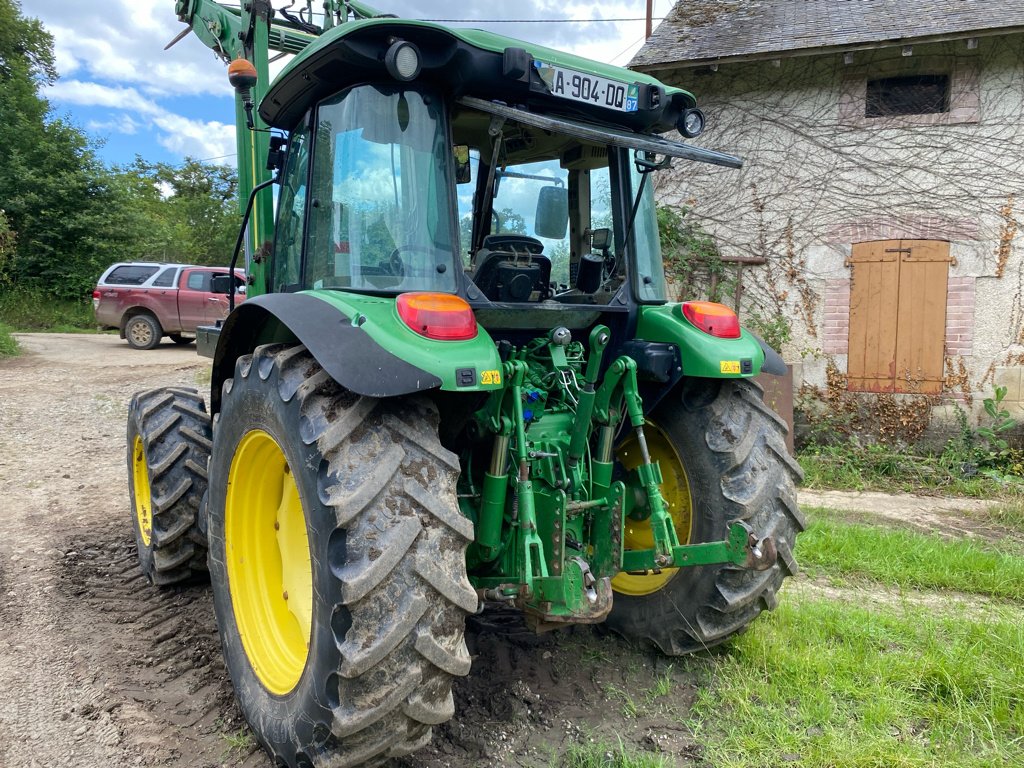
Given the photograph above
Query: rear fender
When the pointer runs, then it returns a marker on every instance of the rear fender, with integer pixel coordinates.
(701, 354)
(360, 340)
(347, 353)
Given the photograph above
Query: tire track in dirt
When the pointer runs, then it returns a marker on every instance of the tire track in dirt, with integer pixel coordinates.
(97, 668)
(170, 692)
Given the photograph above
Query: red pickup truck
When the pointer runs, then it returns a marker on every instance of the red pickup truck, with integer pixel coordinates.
(146, 301)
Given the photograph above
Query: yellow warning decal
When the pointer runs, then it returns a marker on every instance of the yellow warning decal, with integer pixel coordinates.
(730, 366)
(494, 377)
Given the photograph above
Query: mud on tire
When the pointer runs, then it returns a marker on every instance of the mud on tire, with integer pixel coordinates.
(387, 546)
(733, 449)
(168, 448)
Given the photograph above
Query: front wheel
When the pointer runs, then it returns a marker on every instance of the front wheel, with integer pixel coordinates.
(168, 449)
(337, 561)
(723, 457)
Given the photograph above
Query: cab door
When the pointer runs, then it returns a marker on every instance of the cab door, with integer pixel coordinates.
(196, 304)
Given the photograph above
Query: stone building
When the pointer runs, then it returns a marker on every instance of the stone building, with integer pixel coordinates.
(883, 183)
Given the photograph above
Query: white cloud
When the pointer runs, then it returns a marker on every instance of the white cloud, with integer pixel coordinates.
(178, 134)
(115, 57)
(119, 124)
(201, 139)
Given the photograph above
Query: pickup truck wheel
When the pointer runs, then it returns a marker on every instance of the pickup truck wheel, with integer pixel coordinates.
(142, 332)
(177, 338)
(723, 455)
(338, 562)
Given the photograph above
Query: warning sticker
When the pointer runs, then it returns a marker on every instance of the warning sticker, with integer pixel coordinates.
(494, 377)
(730, 366)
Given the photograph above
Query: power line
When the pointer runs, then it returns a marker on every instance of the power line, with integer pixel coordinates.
(537, 21)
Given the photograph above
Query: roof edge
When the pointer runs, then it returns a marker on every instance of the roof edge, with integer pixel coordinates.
(826, 49)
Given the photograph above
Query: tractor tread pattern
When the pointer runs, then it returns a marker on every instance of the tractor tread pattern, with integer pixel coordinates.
(176, 436)
(391, 486)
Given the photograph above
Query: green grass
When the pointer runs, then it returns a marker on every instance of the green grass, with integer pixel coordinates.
(25, 310)
(820, 684)
(1009, 514)
(8, 344)
(599, 755)
(908, 559)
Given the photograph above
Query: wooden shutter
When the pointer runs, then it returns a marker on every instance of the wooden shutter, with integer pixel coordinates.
(874, 295)
(921, 332)
(898, 316)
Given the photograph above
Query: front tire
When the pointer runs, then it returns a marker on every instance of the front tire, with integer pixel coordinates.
(168, 450)
(338, 563)
(725, 452)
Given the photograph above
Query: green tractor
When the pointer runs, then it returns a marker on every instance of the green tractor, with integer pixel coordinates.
(456, 381)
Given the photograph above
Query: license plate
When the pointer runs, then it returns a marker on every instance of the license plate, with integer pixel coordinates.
(590, 89)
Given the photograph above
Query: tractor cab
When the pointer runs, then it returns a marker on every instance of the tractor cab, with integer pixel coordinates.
(422, 159)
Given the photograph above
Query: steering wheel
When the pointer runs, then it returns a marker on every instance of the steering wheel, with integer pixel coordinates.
(395, 264)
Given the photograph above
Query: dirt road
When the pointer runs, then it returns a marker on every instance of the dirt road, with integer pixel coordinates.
(97, 668)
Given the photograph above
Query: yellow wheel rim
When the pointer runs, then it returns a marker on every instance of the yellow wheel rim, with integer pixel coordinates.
(270, 577)
(143, 496)
(676, 490)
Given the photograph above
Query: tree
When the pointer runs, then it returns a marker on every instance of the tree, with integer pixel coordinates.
(56, 196)
(191, 210)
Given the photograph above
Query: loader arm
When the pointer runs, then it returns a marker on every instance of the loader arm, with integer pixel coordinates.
(252, 32)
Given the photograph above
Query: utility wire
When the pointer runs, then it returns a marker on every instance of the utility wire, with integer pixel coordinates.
(536, 21)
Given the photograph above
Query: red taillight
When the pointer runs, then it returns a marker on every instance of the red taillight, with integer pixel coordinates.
(95, 294)
(714, 319)
(437, 316)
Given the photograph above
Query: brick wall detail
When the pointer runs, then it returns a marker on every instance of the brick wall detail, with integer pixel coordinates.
(836, 337)
(960, 316)
(904, 228)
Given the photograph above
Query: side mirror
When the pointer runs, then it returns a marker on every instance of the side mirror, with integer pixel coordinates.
(552, 219)
(463, 172)
(222, 284)
(276, 155)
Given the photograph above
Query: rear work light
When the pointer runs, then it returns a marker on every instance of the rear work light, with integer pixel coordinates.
(437, 316)
(714, 319)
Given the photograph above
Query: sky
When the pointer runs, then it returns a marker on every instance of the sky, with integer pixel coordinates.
(132, 97)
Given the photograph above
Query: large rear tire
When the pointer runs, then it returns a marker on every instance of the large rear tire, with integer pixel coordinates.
(338, 563)
(168, 450)
(724, 452)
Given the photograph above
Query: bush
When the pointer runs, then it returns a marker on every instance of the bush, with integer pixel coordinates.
(35, 310)
(8, 344)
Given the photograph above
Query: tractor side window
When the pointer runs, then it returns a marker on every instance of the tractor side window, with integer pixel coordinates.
(650, 280)
(464, 194)
(381, 208)
(291, 207)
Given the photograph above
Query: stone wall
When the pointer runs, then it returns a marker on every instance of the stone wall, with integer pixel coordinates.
(819, 177)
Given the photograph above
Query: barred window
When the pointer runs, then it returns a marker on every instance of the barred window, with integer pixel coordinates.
(907, 95)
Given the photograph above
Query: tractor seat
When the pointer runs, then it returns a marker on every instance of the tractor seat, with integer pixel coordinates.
(512, 274)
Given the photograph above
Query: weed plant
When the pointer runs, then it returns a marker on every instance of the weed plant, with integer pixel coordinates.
(600, 755)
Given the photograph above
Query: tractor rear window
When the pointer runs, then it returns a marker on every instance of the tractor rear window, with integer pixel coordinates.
(381, 209)
(130, 274)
